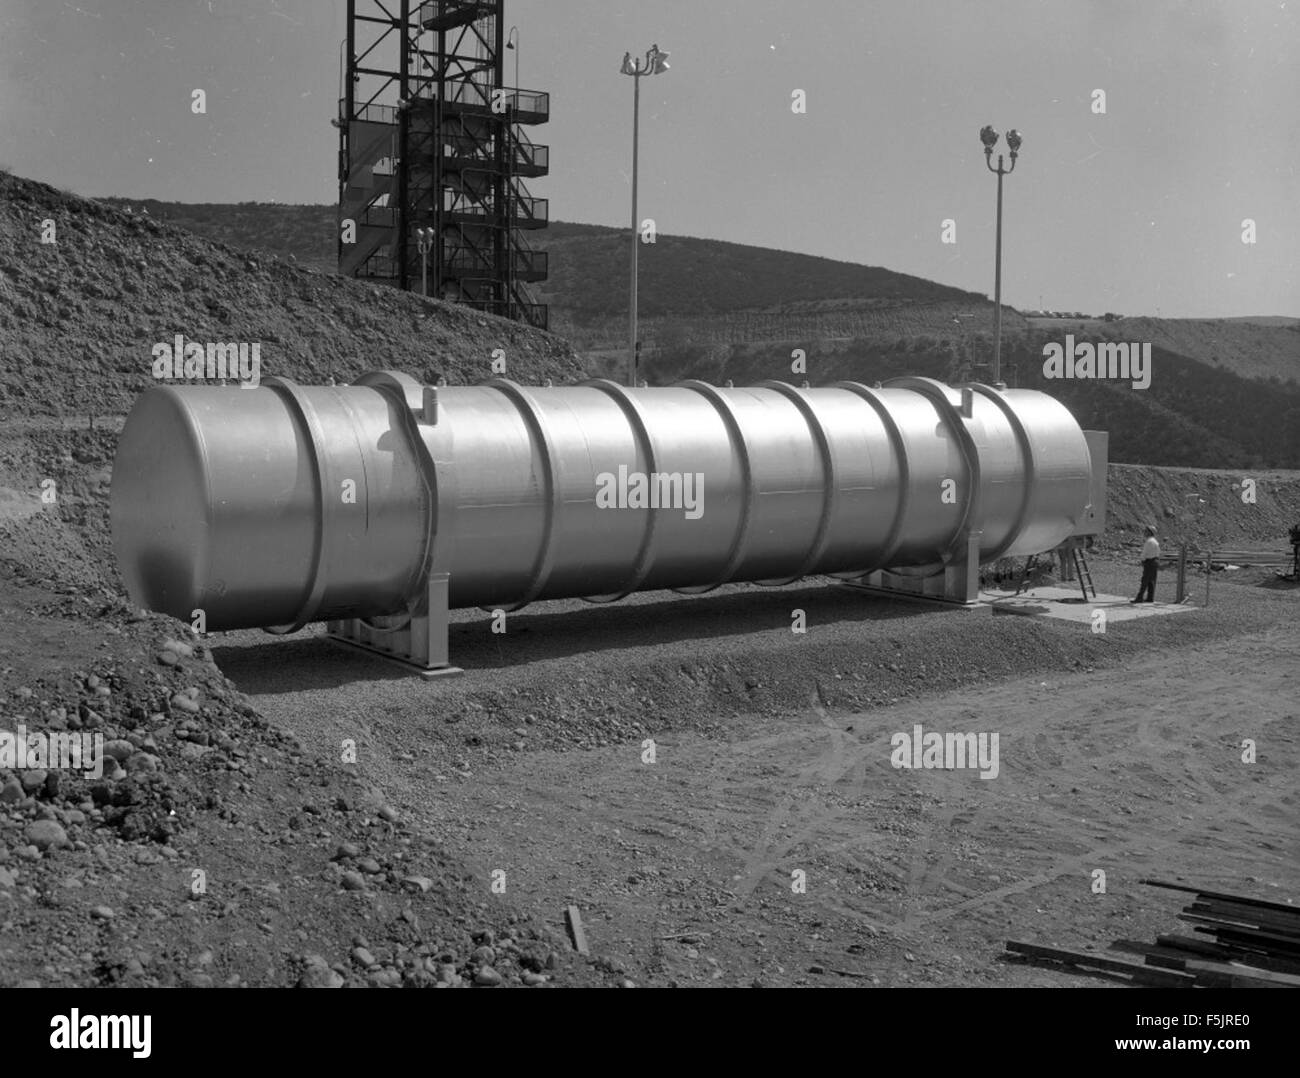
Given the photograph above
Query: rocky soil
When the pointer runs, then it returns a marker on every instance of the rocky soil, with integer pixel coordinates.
(214, 850)
(79, 316)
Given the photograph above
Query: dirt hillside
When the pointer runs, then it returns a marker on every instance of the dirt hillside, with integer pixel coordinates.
(79, 316)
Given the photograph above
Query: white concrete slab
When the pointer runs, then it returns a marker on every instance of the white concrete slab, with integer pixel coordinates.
(1067, 604)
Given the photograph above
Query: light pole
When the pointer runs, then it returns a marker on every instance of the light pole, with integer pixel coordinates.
(512, 43)
(990, 139)
(424, 241)
(655, 63)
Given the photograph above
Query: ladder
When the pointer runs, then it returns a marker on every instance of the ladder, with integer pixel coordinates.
(1030, 562)
(1081, 570)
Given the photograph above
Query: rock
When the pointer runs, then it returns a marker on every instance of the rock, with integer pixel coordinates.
(33, 780)
(120, 749)
(370, 865)
(187, 700)
(318, 975)
(178, 647)
(7, 878)
(534, 979)
(353, 881)
(53, 782)
(487, 977)
(102, 913)
(388, 813)
(28, 853)
(44, 834)
(11, 792)
(346, 849)
(142, 761)
(484, 956)
(420, 883)
(168, 658)
(362, 957)
(202, 980)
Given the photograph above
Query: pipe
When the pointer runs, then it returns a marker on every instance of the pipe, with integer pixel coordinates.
(281, 505)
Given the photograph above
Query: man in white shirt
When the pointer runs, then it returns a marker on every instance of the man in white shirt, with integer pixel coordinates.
(1150, 556)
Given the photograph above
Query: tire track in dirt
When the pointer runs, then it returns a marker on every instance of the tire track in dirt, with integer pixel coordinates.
(1041, 751)
(824, 772)
(698, 844)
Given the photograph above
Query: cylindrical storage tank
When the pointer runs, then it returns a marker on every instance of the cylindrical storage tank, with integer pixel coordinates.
(280, 505)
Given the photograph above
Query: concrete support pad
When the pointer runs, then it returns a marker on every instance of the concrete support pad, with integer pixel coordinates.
(1067, 604)
(428, 673)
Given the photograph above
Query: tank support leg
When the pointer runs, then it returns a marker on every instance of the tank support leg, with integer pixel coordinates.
(961, 579)
(421, 645)
(959, 583)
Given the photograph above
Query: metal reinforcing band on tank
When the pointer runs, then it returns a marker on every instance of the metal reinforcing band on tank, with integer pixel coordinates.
(894, 538)
(402, 390)
(715, 397)
(305, 415)
(1030, 468)
(937, 393)
(830, 479)
(641, 428)
(554, 499)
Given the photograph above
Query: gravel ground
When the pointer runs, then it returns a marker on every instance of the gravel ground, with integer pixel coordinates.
(770, 758)
(670, 662)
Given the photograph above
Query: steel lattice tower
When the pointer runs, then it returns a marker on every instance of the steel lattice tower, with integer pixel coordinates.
(430, 137)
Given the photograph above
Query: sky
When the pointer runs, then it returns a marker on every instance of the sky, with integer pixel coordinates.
(1138, 210)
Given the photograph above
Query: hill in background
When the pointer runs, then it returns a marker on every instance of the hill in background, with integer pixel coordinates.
(1193, 414)
(688, 277)
(1250, 347)
(1223, 395)
(679, 276)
